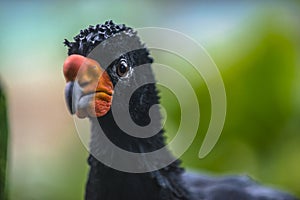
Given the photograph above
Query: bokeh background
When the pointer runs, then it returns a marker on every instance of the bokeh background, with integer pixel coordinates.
(255, 45)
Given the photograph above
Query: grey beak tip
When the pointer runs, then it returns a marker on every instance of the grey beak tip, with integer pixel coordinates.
(68, 96)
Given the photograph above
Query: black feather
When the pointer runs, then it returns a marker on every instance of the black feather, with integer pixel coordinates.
(89, 38)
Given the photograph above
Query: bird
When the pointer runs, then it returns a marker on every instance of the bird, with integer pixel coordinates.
(100, 69)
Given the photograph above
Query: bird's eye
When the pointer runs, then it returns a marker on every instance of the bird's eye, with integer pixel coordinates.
(122, 67)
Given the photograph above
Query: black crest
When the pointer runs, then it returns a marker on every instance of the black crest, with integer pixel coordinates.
(89, 38)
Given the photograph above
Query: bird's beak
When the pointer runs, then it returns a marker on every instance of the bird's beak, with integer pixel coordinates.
(89, 88)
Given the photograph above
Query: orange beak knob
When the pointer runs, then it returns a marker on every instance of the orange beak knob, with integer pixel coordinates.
(71, 66)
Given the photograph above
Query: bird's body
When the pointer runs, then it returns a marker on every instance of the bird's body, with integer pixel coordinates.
(105, 182)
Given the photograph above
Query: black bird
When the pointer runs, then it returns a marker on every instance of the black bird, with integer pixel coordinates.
(100, 70)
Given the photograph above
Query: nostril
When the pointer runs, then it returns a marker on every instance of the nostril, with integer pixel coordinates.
(71, 66)
(84, 83)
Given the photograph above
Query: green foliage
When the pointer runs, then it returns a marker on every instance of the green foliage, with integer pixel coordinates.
(261, 132)
(3, 143)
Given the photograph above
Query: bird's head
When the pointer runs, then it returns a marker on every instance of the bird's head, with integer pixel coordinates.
(101, 71)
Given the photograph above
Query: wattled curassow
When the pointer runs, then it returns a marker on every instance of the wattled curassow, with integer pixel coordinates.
(100, 70)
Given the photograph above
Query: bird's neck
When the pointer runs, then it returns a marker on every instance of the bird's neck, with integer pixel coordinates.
(164, 183)
(141, 102)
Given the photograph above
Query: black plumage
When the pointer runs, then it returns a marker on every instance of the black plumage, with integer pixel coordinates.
(168, 183)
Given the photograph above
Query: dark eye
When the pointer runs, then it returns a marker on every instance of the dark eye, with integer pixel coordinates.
(122, 67)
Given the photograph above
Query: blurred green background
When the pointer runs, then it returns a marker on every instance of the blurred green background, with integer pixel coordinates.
(255, 45)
